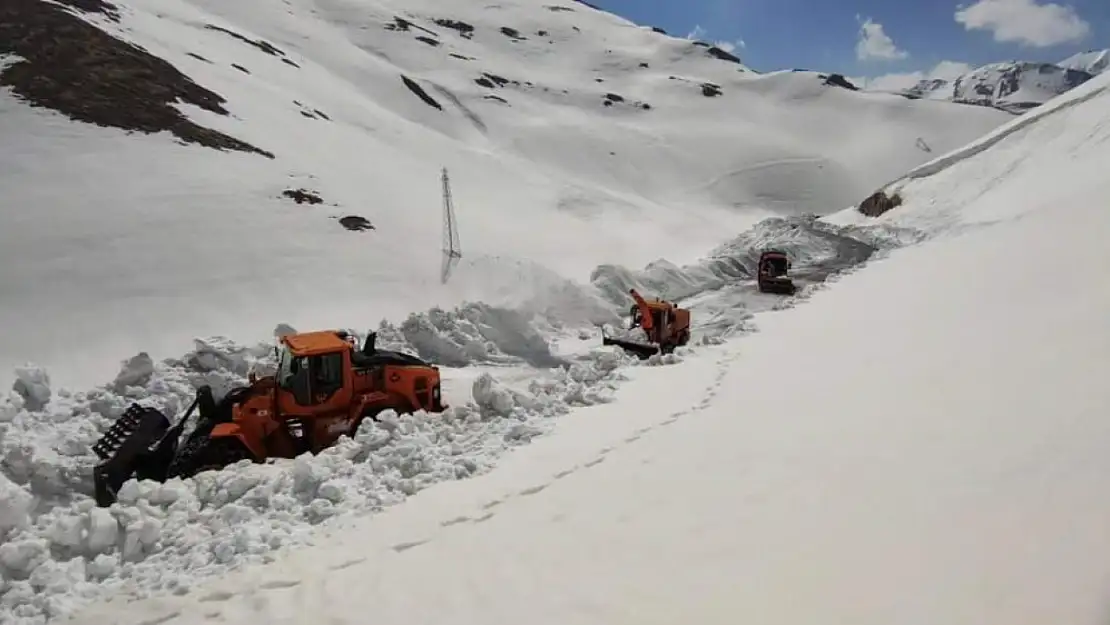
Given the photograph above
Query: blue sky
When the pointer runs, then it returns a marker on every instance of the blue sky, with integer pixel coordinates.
(882, 39)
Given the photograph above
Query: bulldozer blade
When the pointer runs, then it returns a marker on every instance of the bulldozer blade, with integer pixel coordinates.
(641, 350)
(123, 447)
(778, 286)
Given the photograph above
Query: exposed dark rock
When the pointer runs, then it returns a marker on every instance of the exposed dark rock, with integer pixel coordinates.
(612, 97)
(261, 45)
(94, 6)
(557, 9)
(70, 66)
(355, 223)
(290, 62)
(420, 93)
(462, 57)
(399, 24)
(645, 106)
(501, 81)
(485, 82)
(465, 30)
(197, 57)
(599, 80)
(718, 53)
(321, 114)
(710, 90)
(512, 33)
(427, 40)
(644, 64)
(308, 114)
(838, 80)
(240, 68)
(303, 196)
(879, 203)
(541, 33)
(656, 29)
(497, 98)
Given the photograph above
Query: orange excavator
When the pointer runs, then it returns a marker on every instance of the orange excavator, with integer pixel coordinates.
(666, 326)
(324, 388)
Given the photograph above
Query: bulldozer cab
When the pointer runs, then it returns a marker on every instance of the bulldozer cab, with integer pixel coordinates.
(312, 372)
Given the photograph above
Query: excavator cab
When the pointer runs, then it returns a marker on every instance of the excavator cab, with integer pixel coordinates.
(310, 380)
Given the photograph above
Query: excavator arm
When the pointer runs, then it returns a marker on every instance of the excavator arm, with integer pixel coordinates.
(646, 322)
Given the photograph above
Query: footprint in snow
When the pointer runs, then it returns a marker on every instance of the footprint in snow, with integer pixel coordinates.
(533, 490)
(278, 584)
(561, 474)
(160, 619)
(347, 564)
(399, 547)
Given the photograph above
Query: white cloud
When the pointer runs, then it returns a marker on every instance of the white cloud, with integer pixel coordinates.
(875, 44)
(730, 46)
(1025, 21)
(945, 70)
(699, 34)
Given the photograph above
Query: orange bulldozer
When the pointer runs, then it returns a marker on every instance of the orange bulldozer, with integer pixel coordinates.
(323, 388)
(666, 326)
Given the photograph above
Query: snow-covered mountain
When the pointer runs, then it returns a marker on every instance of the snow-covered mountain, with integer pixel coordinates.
(941, 457)
(204, 168)
(1092, 61)
(550, 116)
(1011, 86)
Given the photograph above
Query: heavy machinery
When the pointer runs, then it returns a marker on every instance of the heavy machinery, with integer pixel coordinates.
(665, 325)
(323, 388)
(771, 274)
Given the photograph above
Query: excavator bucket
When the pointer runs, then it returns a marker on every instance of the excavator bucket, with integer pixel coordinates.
(641, 350)
(141, 444)
(124, 447)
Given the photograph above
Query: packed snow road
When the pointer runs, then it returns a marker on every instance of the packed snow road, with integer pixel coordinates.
(509, 376)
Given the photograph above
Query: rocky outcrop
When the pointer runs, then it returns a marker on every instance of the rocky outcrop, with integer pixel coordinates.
(71, 66)
(879, 203)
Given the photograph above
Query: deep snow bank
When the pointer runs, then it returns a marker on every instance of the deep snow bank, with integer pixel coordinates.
(1086, 92)
(720, 289)
(58, 549)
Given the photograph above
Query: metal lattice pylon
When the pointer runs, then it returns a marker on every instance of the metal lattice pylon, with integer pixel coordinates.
(451, 251)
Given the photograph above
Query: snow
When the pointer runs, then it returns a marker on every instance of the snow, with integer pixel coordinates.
(177, 265)
(551, 184)
(938, 455)
(1093, 61)
(1012, 86)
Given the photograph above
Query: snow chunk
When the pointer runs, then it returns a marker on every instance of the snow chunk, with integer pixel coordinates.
(33, 385)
